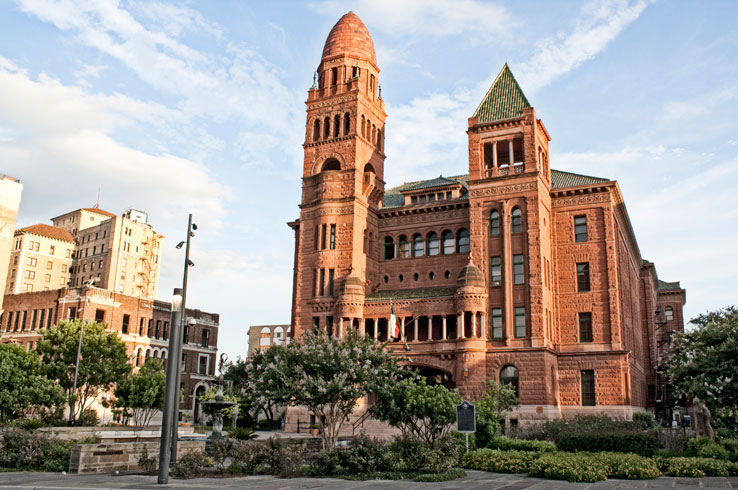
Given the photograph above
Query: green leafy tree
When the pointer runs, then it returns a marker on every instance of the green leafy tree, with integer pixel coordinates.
(415, 407)
(24, 386)
(141, 395)
(103, 362)
(248, 401)
(703, 363)
(498, 399)
(324, 374)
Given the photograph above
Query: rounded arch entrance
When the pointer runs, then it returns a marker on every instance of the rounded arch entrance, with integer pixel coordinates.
(433, 373)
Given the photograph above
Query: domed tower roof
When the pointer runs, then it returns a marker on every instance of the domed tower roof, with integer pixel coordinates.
(350, 37)
(470, 275)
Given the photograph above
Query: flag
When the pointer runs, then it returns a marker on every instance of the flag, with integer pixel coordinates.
(394, 325)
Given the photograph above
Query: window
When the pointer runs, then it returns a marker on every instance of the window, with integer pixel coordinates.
(389, 248)
(49, 265)
(433, 245)
(583, 277)
(462, 241)
(157, 329)
(31, 261)
(669, 313)
(64, 268)
(331, 273)
(72, 313)
(202, 365)
(346, 123)
(519, 322)
(332, 241)
(51, 249)
(517, 220)
(496, 323)
(316, 324)
(449, 246)
(494, 223)
(495, 266)
(322, 236)
(322, 282)
(205, 337)
(126, 322)
(404, 247)
(589, 398)
(99, 316)
(418, 246)
(316, 130)
(165, 334)
(47, 278)
(509, 376)
(580, 229)
(30, 275)
(518, 270)
(585, 327)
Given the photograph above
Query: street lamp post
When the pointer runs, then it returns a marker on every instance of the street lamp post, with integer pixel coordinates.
(191, 227)
(171, 390)
(87, 283)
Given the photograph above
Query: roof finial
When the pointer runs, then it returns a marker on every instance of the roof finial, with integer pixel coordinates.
(380, 91)
(315, 76)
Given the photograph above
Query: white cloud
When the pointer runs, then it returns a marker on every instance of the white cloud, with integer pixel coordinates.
(599, 24)
(437, 18)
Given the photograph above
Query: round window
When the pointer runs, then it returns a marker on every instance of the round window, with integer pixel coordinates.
(432, 276)
(400, 277)
(447, 274)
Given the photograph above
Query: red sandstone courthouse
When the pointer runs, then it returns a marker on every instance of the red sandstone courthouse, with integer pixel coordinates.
(514, 271)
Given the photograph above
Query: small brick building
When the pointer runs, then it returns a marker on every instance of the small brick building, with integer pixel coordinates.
(143, 325)
(512, 271)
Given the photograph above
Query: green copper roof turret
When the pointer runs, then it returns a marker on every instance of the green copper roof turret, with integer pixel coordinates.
(504, 99)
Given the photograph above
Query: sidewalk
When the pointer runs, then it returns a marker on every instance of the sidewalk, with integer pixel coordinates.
(474, 480)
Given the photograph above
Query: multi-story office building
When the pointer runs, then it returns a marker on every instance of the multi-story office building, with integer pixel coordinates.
(262, 337)
(513, 271)
(10, 196)
(40, 260)
(143, 325)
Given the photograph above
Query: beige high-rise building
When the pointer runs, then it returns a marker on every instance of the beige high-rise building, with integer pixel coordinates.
(10, 196)
(121, 253)
(40, 260)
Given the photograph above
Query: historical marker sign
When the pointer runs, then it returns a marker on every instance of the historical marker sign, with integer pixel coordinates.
(466, 417)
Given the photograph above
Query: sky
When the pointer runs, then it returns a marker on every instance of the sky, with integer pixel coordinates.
(198, 107)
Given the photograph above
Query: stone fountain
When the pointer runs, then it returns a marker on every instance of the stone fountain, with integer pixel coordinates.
(216, 407)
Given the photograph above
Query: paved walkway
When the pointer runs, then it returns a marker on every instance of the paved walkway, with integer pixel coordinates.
(474, 480)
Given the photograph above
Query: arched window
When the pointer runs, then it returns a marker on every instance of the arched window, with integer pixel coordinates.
(494, 223)
(346, 124)
(433, 244)
(449, 244)
(278, 336)
(379, 139)
(368, 130)
(404, 247)
(138, 357)
(418, 245)
(517, 220)
(389, 248)
(374, 135)
(327, 128)
(462, 241)
(336, 125)
(148, 354)
(331, 164)
(163, 353)
(363, 126)
(316, 130)
(509, 376)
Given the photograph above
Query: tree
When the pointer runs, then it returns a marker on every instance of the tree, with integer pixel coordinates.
(24, 386)
(103, 362)
(248, 407)
(413, 406)
(498, 399)
(703, 363)
(324, 374)
(140, 395)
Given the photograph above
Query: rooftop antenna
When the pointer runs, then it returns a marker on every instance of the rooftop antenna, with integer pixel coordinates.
(97, 203)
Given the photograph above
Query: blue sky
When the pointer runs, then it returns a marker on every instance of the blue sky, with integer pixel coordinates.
(199, 107)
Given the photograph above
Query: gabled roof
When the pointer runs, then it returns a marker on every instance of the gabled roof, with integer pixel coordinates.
(393, 197)
(503, 100)
(669, 286)
(47, 231)
(560, 179)
(100, 211)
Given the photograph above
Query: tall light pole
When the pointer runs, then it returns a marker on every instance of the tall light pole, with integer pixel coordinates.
(171, 390)
(191, 227)
(85, 284)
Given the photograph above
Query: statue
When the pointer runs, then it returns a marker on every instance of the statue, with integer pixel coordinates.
(702, 418)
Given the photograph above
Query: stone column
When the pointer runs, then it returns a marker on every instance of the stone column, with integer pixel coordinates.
(510, 143)
(340, 328)
(474, 324)
(415, 329)
(483, 326)
(376, 327)
(362, 327)
(443, 329)
(494, 154)
(460, 325)
(430, 327)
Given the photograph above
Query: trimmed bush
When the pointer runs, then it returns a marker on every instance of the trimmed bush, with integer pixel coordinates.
(554, 430)
(24, 450)
(412, 454)
(507, 444)
(646, 419)
(702, 447)
(628, 466)
(577, 467)
(365, 455)
(189, 465)
(641, 444)
(500, 461)
(698, 467)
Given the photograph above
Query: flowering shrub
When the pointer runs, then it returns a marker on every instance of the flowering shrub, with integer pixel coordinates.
(24, 450)
(628, 466)
(702, 447)
(642, 444)
(697, 467)
(574, 467)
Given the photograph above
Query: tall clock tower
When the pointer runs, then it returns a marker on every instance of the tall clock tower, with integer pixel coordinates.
(336, 249)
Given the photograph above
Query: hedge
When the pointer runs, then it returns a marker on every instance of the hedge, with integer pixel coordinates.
(498, 461)
(641, 444)
(506, 444)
